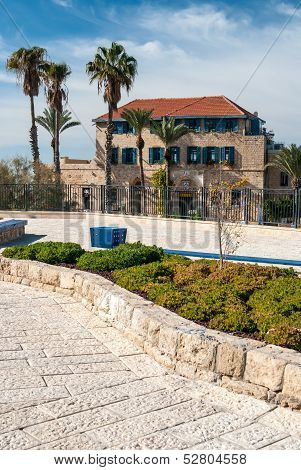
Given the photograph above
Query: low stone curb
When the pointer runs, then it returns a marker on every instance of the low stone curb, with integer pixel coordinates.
(241, 365)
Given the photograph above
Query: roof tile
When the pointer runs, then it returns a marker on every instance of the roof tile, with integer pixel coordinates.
(202, 106)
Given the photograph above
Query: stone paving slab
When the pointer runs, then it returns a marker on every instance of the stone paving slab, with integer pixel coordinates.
(70, 381)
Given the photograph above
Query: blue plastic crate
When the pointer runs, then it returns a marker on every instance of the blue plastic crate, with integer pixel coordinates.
(107, 237)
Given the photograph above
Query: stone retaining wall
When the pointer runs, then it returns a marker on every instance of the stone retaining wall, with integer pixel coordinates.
(238, 364)
(11, 233)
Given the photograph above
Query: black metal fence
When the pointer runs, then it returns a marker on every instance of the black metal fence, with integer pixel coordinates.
(261, 206)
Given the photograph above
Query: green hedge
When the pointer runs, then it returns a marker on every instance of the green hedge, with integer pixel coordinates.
(123, 256)
(240, 298)
(46, 252)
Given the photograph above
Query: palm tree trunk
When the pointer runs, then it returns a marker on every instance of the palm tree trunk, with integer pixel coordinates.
(108, 159)
(57, 166)
(33, 134)
(167, 167)
(53, 148)
(140, 144)
(141, 165)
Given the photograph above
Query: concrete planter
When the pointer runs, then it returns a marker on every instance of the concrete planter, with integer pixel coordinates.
(241, 365)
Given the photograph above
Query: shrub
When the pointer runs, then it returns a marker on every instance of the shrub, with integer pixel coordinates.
(284, 335)
(206, 299)
(47, 252)
(279, 303)
(166, 295)
(201, 269)
(123, 256)
(137, 278)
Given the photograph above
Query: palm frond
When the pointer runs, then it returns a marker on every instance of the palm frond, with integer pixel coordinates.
(137, 118)
(289, 161)
(113, 70)
(48, 121)
(168, 131)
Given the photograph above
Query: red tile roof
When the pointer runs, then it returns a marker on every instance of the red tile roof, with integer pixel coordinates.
(203, 106)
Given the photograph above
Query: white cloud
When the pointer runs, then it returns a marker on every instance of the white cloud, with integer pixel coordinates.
(63, 3)
(192, 23)
(5, 78)
(288, 9)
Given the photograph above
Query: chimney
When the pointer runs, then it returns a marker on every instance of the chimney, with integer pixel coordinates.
(255, 113)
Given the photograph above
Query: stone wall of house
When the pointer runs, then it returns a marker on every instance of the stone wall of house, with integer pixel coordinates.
(249, 157)
(81, 171)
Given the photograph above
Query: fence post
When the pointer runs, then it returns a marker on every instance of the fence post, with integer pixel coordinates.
(245, 205)
(296, 207)
(25, 197)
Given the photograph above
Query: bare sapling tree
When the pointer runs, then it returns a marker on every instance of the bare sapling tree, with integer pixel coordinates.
(226, 200)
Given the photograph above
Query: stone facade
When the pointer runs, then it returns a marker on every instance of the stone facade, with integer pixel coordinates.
(84, 172)
(249, 157)
(238, 364)
(238, 139)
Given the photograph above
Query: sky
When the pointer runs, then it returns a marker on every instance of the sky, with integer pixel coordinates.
(249, 51)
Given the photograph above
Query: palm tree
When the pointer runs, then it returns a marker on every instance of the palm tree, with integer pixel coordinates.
(113, 70)
(168, 132)
(48, 122)
(26, 64)
(289, 161)
(138, 119)
(55, 76)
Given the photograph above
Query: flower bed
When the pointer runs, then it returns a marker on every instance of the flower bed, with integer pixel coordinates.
(259, 302)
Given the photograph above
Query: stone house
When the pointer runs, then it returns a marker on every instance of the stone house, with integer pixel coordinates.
(223, 132)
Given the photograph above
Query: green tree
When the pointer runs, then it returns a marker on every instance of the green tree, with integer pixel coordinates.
(138, 119)
(55, 76)
(113, 69)
(48, 121)
(26, 64)
(169, 132)
(289, 161)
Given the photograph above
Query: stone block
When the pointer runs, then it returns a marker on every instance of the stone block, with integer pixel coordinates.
(239, 386)
(67, 279)
(168, 340)
(34, 272)
(231, 354)
(195, 348)
(292, 381)
(50, 275)
(265, 367)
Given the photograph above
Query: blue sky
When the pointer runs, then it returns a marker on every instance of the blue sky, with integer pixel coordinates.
(183, 48)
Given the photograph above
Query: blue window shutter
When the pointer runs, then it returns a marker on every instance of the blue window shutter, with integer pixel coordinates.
(231, 155)
(217, 152)
(221, 125)
(119, 127)
(178, 155)
(205, 155)
(151, 155)
(206, 125)
(161, 155)
(114, 156)
(124, 155)
(234, 125)
(223, 154)
(198, 155)
(255, 126)
(188, 154)
(134, 156)
(198, 125)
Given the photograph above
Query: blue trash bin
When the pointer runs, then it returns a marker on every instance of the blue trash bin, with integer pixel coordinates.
(107, 237)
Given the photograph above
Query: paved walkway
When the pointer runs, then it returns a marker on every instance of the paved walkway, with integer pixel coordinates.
(68, 381)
